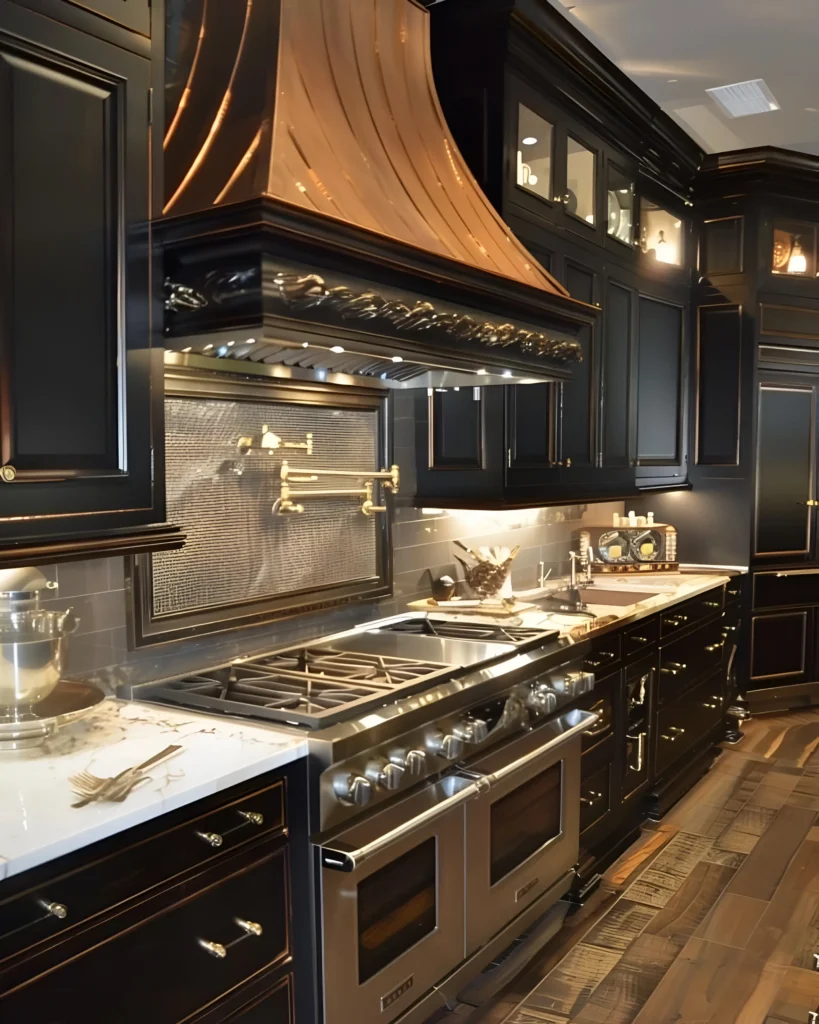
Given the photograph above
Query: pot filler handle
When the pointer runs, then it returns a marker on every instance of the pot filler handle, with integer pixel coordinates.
(349, 860)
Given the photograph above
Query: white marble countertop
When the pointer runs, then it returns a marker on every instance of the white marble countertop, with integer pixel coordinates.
(37, 821)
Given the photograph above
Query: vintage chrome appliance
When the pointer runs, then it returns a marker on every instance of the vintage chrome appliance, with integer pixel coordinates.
(444, 793)
(628, 549)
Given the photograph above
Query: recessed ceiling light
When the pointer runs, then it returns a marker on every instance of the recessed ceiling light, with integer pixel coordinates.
(207, 347)
(398, 359)
(304, 344)
(530, 140)
(186, 349)
(812, 110)
(251, 341)
(481, 372)
(672, 81)
(337, 348)
(231, 344)
(744, 98)
(507, 373)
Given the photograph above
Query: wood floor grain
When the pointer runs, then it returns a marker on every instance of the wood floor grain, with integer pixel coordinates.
(712, 917)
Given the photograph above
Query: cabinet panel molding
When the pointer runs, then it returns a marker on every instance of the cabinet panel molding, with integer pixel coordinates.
(723, 242)
(718, 383)
(659, 381)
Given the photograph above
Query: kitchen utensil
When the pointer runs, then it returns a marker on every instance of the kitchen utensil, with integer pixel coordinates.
(488, 575)
(91, 787)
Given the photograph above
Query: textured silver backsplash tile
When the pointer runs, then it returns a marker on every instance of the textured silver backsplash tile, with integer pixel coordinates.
(236, 549)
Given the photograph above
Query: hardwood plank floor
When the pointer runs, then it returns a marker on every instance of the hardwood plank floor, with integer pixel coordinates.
(712, 917)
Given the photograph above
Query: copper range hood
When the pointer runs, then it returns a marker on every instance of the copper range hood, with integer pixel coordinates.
(318, 216)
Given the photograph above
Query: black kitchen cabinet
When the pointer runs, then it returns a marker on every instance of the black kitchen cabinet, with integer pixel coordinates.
(659, 383)
(131, 14)
(786, 469)
(80, 419)
(222, 932)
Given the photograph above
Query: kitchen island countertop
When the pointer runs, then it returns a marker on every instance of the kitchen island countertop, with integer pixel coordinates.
(37, 821)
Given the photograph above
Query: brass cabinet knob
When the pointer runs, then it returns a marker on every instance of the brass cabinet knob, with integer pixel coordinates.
(214, 948)
(253, 817)
(58, 910)
(211, 838)
(248, 927)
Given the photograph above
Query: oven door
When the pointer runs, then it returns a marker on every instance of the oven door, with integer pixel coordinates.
(392, 904)
(523, 834)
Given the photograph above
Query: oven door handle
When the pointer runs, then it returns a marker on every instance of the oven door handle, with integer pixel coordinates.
(585, 720)
(349, 860)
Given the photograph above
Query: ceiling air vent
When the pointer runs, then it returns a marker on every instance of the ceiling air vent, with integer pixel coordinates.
(744, 98)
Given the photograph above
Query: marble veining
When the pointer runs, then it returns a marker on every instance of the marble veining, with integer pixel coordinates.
(37, 821)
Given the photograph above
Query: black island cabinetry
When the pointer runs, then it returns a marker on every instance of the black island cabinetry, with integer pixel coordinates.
(558, 139)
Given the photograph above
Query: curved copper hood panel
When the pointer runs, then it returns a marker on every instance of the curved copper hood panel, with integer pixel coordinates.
(328, 105)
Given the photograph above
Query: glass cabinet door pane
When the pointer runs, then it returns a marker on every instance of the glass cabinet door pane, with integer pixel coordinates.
(661, 234)
(794, 248)
(525, 820)
(580, 181)
(620, 207)
(397, 907)
(534, 149)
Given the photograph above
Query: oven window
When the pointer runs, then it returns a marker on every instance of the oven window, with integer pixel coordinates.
(525, 820)
(396, 908)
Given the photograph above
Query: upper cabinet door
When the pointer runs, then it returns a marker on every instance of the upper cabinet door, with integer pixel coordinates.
(659, 383)
(75, 323)
(785, 471)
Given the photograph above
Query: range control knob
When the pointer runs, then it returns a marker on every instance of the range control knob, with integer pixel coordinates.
(391, 775)
(416, 762)
(353, 789)
(542, 697)
(472, 730)
(449, 746)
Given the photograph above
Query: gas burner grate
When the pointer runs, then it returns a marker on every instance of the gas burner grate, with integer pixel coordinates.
(489, 631)
(313, 686)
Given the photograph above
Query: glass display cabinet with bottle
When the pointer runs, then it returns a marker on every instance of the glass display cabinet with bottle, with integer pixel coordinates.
(794, 249)
(581, 181)
(661, 233)
(535, 140)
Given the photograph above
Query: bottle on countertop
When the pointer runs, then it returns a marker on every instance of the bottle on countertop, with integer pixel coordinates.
(650, 519)
(632, 518)
(615, 521)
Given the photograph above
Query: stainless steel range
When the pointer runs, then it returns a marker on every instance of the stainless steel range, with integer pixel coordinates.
(444, 793)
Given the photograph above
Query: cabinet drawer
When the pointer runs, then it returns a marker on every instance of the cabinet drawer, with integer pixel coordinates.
(787, 588)
(603, 702)
(682, 616)
(681, 725)
(683, 662)
(640, 637)
(32, 916)
(605, 654)
(263, 1001)
(177, 959)
(733, 589)
(595, 795)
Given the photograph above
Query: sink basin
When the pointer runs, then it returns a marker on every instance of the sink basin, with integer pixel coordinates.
(619, 598)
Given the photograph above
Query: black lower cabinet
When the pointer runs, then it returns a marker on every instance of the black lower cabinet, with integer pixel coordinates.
(218, 940)
(662, 692)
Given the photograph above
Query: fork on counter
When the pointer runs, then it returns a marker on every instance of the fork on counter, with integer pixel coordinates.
(91, 787)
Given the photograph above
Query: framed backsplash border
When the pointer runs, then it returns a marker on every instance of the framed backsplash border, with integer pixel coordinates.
(199, 380)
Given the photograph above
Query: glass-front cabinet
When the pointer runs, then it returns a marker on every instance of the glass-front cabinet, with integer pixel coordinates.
(794, 249)
(581, 180)
(661, 233)
(534, 153)
(620, 206)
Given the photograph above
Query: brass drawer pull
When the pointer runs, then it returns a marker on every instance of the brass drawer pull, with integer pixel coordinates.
(712, 604)
(249, 927)
(592, 798)
(58, 910)
(220, 951)
(713, 647)
(214, 948)
(253, 817)
(711, 705)
(211, 838)
(641, 639)
(681, 665)
(676, 620)
(602, 658)
(676, 731)
(640, 738)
